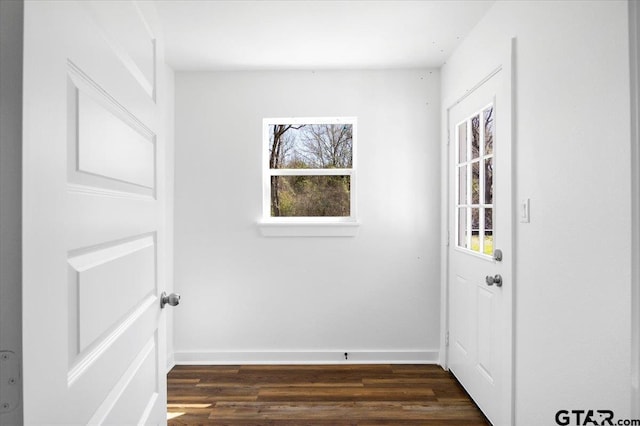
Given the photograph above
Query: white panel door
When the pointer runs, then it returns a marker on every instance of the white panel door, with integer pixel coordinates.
(479, 351)
(93, 224)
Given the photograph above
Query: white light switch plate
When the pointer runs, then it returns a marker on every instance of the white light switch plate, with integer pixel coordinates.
(524, 210)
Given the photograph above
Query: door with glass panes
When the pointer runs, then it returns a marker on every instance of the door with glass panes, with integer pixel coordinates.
(479, 287)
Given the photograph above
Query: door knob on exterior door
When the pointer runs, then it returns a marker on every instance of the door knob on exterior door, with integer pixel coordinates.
(173, 299)
(497, 280)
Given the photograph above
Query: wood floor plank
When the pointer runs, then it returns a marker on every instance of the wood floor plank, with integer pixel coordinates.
(354, 411)
(261, 383)
(345, 394)
(307, 395)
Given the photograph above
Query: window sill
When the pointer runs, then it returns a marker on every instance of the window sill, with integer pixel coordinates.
(308, 229)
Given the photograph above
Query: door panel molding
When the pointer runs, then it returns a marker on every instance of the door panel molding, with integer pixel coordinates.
(98, 276)
(133, 42)
(96, 159)
(140, 375)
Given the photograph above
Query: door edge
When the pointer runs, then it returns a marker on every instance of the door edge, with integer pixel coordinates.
(634, 62)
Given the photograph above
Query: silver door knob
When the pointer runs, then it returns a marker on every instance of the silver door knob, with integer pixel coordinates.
(173, 299)
(497, 280)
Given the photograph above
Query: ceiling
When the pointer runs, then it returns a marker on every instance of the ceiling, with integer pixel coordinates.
(310, 35)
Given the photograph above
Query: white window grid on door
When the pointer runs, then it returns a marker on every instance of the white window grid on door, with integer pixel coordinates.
(465, 243)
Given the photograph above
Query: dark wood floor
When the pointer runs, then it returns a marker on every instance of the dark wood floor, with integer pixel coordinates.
(362, 395)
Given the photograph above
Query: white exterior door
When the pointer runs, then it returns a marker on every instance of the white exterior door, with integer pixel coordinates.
(93, 330)
(479, 350)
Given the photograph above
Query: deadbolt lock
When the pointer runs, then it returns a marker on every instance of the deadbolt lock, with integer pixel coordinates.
(497, 255)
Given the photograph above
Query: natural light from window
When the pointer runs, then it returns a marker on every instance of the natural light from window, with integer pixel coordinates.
(309, 170)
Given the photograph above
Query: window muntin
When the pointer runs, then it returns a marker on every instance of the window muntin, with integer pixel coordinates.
(309, 169)
(475, 138)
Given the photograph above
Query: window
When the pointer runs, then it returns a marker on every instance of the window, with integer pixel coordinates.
(309, 172)
(474, 182)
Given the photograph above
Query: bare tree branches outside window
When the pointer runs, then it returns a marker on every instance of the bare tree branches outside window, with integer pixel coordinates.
(310, 147)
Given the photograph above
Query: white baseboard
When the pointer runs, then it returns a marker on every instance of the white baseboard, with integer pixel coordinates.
(306, 357)
(171, 362)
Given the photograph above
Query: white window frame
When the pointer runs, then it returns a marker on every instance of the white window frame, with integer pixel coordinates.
(334, 226)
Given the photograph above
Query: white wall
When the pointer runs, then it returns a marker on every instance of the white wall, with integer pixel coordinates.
(248, 298)
(11, 27)
(572, 286)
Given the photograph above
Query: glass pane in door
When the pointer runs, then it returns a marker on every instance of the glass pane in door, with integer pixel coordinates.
(462, 227)
(475, 182)
(488, 231)
(462, 185)
(462, 142)
(475, 136)
(488, 130)
(488, 181)
(474, 163)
